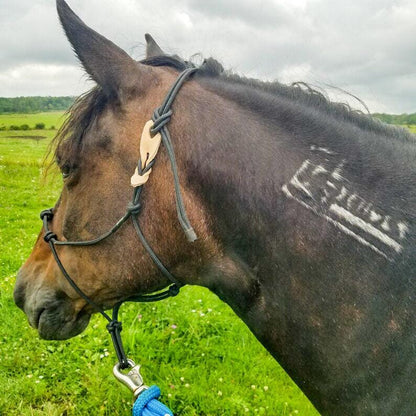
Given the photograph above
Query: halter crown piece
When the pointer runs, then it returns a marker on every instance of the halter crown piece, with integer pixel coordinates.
(154, 133)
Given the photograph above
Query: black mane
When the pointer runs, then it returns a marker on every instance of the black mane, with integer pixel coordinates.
(298, 92)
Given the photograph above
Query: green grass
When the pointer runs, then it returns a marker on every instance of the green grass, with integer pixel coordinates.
(53, 118)
(412, 128)
(203, 358)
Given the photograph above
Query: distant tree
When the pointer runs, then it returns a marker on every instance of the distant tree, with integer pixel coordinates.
(34, 104)
(40, 126)
(24, 127)
(402, 119)
(13, 127)
(412, 119)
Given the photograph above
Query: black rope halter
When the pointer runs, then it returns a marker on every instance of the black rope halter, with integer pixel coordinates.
(161, 118)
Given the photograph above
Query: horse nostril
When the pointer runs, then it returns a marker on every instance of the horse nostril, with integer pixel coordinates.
(19, 293)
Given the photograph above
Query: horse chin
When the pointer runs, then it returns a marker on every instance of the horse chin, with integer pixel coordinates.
(54, 325)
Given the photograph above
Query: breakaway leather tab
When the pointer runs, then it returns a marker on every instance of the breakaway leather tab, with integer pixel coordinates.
(149, 146)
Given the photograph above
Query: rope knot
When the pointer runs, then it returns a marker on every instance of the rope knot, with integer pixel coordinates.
(48, 213)
(160, 119)
(49, 235)
(173, 290)
(147, 404)
(134, 209)
(114, 326)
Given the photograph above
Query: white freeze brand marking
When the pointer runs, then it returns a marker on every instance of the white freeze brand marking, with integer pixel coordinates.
(320, 186)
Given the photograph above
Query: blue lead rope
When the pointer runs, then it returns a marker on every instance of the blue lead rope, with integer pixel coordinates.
(148, 405)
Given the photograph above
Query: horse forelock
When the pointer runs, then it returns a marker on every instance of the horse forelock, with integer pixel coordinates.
(67, 144)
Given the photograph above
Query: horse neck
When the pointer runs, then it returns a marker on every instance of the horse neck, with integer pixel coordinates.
(325, 318)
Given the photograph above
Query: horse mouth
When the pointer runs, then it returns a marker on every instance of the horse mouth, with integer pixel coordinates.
(37, 317)
(55, 324)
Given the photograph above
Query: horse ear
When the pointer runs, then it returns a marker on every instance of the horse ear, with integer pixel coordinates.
(107, 64)
(152, 48)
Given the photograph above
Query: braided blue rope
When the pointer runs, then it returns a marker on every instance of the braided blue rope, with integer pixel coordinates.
(148, 405)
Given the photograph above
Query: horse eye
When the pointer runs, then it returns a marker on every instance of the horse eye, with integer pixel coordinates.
(66, 171)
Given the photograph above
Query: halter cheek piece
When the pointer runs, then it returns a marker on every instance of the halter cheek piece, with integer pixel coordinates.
(154, 133)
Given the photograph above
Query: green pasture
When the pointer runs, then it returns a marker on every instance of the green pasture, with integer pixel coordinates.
(203, 358)
(51, 119)
(412, 128)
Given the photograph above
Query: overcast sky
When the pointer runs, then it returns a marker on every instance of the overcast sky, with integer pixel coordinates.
(367, 47)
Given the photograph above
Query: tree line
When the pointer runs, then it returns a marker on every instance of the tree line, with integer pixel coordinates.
(402, 119)
(37, 126)
(27, 105)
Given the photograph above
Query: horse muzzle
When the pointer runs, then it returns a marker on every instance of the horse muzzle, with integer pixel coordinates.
(52, 313)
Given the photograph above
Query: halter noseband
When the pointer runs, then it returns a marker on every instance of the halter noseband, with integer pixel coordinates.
(153, 134)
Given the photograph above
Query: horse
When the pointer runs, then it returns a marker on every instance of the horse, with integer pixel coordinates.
(304, 212)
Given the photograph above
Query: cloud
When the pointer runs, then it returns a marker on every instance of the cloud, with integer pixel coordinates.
(365, 47)
(44, 80)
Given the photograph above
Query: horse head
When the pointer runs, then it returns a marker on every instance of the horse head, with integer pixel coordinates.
(97, 151)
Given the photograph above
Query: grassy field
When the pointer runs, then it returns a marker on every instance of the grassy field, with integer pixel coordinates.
(203, 358)
(412, 128)
(50, 119)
